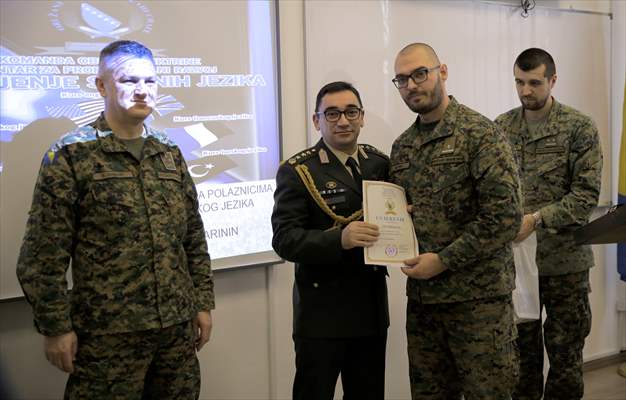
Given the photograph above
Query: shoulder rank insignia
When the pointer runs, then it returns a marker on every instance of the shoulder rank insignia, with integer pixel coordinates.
(301, 156)
(363, 153)
(323, 156)
(371, 149)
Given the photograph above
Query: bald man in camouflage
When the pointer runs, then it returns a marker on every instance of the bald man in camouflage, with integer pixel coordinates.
(560, 161)
(115, 198)
(461, 179)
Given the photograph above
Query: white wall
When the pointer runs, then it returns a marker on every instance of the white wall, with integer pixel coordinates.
(250, 355)
(618, 8)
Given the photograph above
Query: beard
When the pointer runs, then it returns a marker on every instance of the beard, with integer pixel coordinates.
(533, 103)
(430, 100)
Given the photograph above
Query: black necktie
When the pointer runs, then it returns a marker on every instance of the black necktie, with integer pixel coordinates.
(351, 163)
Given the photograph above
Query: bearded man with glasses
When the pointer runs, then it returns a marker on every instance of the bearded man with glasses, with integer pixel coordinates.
(340, 310)
(460, 176)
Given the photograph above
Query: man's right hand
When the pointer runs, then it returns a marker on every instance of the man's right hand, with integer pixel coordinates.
(359, 234)
(61, 350)
(528, 227)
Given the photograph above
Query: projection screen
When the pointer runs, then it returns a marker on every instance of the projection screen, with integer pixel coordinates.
(218, 101)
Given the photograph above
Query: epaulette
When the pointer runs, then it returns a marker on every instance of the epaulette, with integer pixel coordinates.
(160, 136)
(371, 149)
(301, 156)
(82, 134)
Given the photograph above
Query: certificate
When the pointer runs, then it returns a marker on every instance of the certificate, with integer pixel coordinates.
(384, 204)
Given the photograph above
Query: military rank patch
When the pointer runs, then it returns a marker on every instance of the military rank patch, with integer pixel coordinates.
(448, 146)
(371, 149)
(168, 161)
(323, 156)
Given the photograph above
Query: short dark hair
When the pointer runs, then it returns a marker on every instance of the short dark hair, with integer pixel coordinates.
(335, 87)
(533, 58)
(129, 47)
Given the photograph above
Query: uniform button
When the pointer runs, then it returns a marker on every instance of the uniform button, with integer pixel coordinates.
(315, 284)
(375, 269)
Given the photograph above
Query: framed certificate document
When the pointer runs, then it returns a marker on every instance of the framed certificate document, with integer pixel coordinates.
(384, 204)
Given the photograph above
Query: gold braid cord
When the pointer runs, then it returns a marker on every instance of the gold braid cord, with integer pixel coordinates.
(309, 183)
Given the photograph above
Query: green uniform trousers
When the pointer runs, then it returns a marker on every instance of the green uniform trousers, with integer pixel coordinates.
(567, 324)
(153, 364)
(464, 348)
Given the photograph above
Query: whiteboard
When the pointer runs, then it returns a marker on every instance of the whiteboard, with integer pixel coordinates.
(357, 41)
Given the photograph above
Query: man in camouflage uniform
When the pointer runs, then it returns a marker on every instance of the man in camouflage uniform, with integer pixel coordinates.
(560, 162)
(340, 305)
(461, 179)
(115, 198)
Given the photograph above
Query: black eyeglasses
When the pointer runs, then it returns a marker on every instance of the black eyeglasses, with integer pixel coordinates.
(334, 115)
(418, 76)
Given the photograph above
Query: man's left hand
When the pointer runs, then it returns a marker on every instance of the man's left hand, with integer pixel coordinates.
(424, 266)
(202, 326)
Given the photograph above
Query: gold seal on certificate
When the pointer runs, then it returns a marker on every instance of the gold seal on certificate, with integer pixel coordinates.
(384, 204)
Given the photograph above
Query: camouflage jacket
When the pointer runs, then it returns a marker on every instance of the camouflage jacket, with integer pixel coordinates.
(560, 168)
(131, 230)
(463, 183)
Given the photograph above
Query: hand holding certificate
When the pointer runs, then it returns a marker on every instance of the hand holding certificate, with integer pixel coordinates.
(384, 204)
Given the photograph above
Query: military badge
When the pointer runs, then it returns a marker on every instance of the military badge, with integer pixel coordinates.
(168, 161)
(551, 142)
(331, 184)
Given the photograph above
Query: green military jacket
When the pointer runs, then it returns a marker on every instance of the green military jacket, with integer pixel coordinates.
(561, 168)
(131, 230)
(463, 183)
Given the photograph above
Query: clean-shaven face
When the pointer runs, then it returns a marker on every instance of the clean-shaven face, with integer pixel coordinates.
(341, 135)
(129, 87)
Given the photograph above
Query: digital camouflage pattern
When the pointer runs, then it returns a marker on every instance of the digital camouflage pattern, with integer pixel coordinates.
(121, 366)
(132, 231)
(561, 170)
(567, 324)
(463, 183)
(475, 357)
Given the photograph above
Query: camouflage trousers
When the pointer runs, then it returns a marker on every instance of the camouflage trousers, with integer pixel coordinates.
(464, 348)
(153, 364)
(567, 324)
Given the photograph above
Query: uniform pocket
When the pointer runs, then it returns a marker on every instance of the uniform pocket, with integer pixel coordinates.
(115, 196)
(447, 174)
(452, 189)
(552, 170)
(175, 200)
